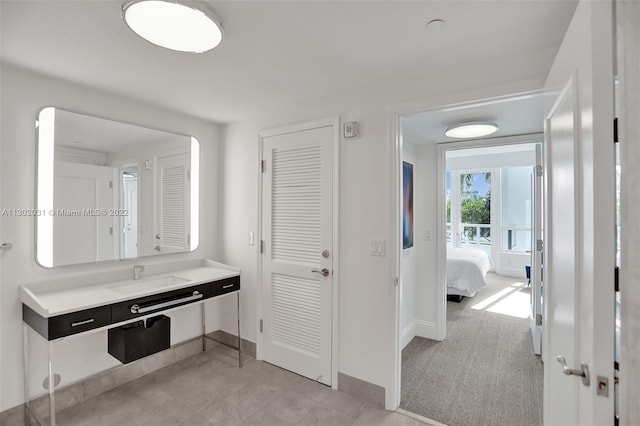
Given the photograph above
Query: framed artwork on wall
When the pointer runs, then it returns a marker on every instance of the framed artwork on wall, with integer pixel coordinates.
(407, 205)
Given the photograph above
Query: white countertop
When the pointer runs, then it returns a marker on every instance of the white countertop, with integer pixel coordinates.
(50, 303)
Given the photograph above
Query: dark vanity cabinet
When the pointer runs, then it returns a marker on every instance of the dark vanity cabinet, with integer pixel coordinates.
(80, 321)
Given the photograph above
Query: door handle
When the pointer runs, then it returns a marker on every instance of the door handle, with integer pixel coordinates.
(583, 372)
(324, 272)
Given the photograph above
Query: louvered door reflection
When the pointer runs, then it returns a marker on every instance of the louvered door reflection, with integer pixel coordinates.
(172, 198)
(298, 227)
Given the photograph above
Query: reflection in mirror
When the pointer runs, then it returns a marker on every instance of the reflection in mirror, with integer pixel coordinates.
(129, 202)
(109, 190)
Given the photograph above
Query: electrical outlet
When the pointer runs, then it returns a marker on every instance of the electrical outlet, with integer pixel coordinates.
(427, 235)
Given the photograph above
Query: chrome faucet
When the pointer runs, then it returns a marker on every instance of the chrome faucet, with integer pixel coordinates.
(137, 271)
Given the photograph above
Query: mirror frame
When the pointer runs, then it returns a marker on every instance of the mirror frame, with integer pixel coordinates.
(43, 189)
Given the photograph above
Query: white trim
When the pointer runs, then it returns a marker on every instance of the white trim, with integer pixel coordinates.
(408, 333)
(259, 304)
(392, 396)
(441, 238)
(428, 330)
(298, 127)
(442, 243)
(628, 32)
(335, 332)
(333, 122)
(512, 272)
(420, 418)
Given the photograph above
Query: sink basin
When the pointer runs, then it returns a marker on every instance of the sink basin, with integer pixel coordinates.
(145, 284)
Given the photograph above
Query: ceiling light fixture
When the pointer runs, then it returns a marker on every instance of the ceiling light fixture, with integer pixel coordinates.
(180, 25)
(468, 130)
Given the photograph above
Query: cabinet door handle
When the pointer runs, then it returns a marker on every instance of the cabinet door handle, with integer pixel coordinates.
(137, 309)
(89, 321)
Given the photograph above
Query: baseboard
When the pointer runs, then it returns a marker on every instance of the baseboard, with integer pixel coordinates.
(407, 334)
(511, 272)
(247, 347)
(117, 376)
(366, 392)
(420, 418)
(428, 330)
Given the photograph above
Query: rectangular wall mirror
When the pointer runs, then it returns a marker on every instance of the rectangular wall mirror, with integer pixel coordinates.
(108, 190)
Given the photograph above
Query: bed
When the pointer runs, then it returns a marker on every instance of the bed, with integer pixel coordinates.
(466, 271)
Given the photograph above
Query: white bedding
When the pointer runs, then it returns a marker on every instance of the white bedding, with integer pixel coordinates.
(466, 269)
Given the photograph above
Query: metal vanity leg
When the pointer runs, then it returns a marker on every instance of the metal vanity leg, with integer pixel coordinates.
(25, 373)
(239, 340)
(204, 327)
(52, 391)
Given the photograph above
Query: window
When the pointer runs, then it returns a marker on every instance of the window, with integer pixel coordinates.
(469, 209)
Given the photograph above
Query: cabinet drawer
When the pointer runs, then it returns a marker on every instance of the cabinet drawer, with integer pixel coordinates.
(158, 302)
(77, 322)
(225, 286)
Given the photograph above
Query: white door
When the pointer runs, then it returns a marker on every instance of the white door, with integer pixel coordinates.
(536, 273)
(297, 263)
(130, 220)
(580, 252)
(81, 235)
(172, 194)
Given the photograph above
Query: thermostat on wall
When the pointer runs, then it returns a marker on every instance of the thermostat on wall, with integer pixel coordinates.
(351, 129)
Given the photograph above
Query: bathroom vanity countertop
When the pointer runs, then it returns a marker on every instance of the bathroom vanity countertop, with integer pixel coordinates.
(49, 303)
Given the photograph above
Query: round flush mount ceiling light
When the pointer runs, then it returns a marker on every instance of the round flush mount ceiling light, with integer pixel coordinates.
(181, 25)
(471, 130)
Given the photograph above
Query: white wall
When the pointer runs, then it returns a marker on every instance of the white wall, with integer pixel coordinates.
(426, 221)
(496, 160)
(23, 93)
(408, 260)
(367, 310)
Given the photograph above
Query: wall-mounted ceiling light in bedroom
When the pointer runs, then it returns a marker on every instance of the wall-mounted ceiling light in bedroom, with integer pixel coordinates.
(181, 25)
(470, 130)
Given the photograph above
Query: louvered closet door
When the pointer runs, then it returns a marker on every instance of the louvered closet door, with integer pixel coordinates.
(172, 198)
(297, 228)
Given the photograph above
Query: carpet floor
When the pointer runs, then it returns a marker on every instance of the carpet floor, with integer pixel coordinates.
(485, 372)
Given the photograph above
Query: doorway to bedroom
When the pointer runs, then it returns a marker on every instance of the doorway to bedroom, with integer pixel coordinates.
(466, 341)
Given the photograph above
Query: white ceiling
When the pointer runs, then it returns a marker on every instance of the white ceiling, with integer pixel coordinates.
(275, 53)
(516, 115)
(96, 134)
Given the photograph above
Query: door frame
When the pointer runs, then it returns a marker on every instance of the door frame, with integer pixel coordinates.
(333, 122)
(442, 149)
(628, 56)
(395, 112)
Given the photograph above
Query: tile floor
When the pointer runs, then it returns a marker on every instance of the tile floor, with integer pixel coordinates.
(210, 389)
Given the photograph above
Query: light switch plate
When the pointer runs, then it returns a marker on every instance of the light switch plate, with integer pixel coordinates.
(377, 247)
